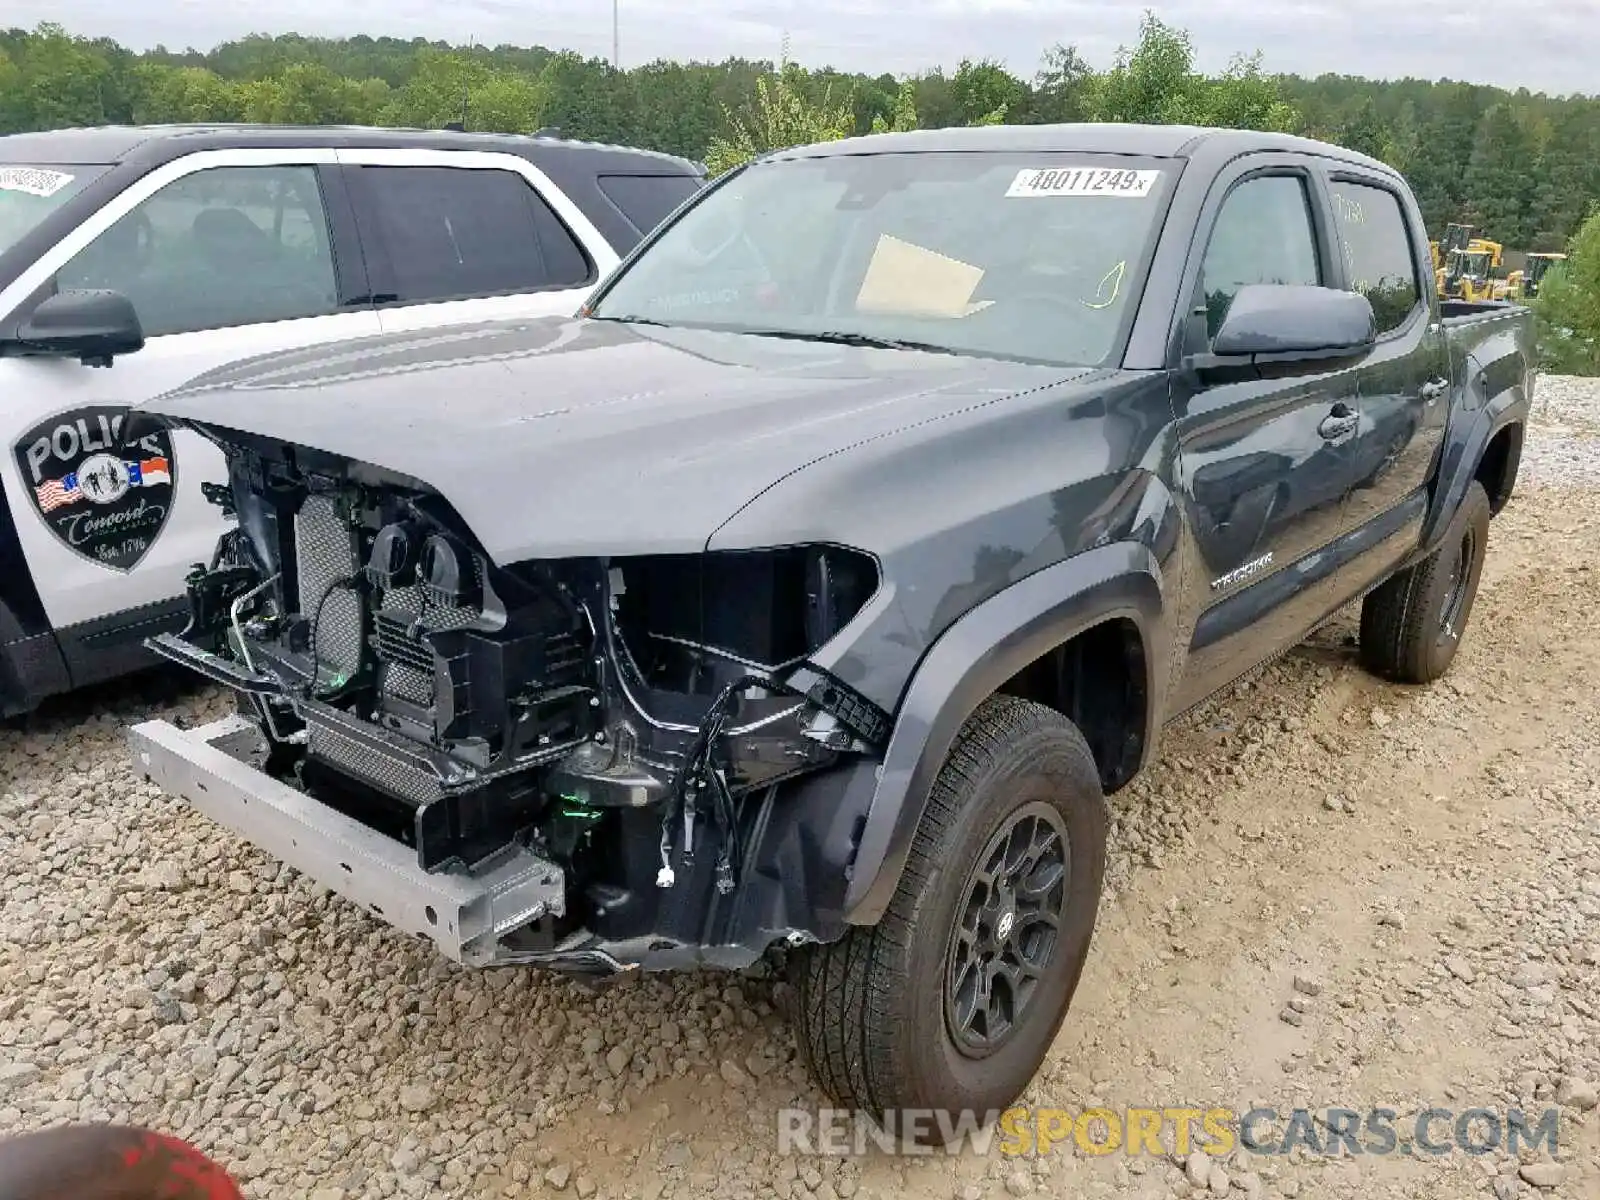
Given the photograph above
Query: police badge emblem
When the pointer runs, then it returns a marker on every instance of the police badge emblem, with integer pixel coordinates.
(101, 500)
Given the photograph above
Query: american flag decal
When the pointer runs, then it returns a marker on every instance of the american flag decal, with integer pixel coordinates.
(55, 493)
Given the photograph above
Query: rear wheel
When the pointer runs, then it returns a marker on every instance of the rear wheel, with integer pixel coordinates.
(951, 1001)
(1411, 625)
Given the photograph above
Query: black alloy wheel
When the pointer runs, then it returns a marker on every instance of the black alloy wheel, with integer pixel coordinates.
(1009, 923)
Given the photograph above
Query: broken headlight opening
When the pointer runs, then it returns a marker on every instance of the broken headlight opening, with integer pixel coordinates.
(626, 719)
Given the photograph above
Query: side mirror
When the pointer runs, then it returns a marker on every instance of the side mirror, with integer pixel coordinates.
(1288, 322)
(94, 326)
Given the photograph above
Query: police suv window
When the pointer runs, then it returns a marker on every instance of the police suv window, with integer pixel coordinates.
(216, 249)
(450, 233)
(1263, 235)
(1377, 251)
(647, 200)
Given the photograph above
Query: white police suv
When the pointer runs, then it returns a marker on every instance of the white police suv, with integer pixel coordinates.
(133, 259)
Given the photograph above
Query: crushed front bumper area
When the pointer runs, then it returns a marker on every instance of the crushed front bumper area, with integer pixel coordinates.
(467, 915)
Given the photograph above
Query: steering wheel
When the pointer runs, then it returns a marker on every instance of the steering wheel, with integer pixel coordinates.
(1066, 303)
(1080, 290)
(702, 245)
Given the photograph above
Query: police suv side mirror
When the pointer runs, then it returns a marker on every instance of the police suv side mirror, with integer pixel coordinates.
(93, 326)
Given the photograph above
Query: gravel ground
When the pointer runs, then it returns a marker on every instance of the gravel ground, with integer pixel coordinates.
(1329, 893)
(1563, 446)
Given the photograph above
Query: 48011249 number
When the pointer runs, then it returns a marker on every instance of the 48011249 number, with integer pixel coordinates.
(1082, 181)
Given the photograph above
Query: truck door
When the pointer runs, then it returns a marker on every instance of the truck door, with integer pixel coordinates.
(225, 254)
(1264, 461)
(1404, 382)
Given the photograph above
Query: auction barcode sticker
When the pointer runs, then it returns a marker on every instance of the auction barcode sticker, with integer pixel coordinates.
(35, 181)
(1082, 181)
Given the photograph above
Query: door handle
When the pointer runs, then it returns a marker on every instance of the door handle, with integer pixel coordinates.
(1338, 423)
(1433, 389)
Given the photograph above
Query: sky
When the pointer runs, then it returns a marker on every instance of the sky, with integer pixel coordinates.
(1544, 45)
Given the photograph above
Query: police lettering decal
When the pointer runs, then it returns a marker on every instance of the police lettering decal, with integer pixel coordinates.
(106, 502)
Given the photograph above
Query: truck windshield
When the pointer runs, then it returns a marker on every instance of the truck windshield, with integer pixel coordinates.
(1010, 255)
(28, 194)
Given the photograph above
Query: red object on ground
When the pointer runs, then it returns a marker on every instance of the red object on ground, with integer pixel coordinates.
(108, 1162)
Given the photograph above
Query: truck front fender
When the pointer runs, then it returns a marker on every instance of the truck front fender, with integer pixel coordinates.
(978, 653)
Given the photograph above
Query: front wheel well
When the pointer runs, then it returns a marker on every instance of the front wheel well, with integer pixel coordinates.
(1098, 681)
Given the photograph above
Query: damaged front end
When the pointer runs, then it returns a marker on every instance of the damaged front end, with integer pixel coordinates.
(595, 764)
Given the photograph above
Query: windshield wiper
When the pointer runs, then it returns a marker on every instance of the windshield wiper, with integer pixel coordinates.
(832, 336)
(629, 320)
(843, 338)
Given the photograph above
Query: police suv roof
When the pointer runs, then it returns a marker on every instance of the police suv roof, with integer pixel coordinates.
(111, 144)
(1151, 141)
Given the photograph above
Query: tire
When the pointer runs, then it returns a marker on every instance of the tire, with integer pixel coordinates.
(873, 1022)
(1412, 624)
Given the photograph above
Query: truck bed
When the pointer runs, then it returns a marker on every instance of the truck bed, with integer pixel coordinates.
(1492, 346)
(1457, 312)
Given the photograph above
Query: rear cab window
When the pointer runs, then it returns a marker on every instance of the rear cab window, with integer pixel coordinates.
(647, 200)
(452, 233)
(1377, 250)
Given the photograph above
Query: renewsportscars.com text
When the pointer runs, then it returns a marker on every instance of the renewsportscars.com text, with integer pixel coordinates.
(1022, 1131)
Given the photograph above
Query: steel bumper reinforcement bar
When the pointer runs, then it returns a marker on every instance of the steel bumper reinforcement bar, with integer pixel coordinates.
(464, 913)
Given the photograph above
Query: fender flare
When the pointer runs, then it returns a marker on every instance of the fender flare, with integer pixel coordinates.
(969, 661)
(1462, 454)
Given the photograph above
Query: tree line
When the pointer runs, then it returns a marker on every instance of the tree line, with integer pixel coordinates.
(1522, 167)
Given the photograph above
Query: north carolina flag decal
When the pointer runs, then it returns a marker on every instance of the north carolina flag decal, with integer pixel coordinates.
(148, 472)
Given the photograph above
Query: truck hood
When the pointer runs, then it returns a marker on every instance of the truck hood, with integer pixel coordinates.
(571, 437)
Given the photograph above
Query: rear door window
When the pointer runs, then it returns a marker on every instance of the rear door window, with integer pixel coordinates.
(1376, 245)
(647, 200)
(452, 233)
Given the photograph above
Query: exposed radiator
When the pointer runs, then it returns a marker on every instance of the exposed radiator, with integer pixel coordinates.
(397, 769)
(407, 661)
(325, 557)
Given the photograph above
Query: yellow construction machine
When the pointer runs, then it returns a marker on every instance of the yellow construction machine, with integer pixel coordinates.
(1469, 272)
(1456, 236)
(1534, 271)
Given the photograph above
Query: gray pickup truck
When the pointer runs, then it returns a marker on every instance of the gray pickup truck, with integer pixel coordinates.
(815, 583)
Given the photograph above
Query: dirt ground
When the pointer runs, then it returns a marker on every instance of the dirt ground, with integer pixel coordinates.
(1426, 860)
(1330, 893)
